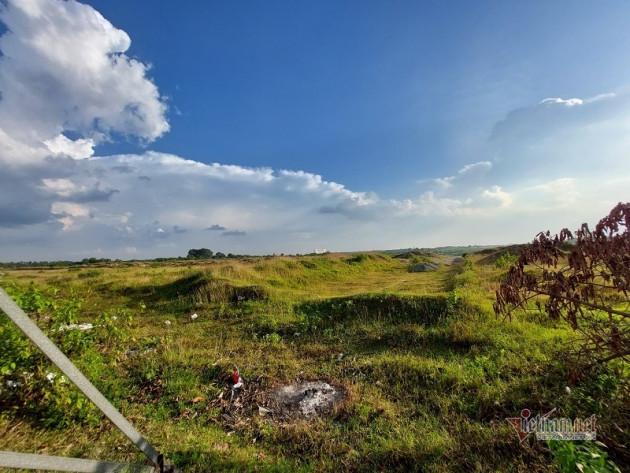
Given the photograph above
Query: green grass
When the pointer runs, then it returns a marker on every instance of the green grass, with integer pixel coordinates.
(431, 374)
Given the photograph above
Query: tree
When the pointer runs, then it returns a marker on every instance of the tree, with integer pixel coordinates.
(202, 253)
(587, 286)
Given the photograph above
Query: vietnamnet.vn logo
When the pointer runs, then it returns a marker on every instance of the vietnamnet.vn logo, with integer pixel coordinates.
(546, 427)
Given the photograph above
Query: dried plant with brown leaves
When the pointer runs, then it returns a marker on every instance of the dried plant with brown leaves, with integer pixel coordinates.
(587, 286)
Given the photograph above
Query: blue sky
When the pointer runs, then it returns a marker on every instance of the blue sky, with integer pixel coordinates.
(294, 125)
(364, 93)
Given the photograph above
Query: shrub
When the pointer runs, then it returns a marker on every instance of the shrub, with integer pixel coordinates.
(578, 287)
(29, 380)
(360, 258)
(505, 260)
(90, 273)
(420, 309)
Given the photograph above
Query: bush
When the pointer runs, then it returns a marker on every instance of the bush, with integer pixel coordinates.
(416, 259)
(587, 288)
(505, 260)
(90, 273)
(420, 309)
(360, 258)
(29, 380)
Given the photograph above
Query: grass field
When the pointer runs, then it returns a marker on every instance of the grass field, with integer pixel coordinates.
(431, 375)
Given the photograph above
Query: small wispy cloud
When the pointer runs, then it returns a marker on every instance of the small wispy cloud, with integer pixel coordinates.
(481, 165)
(567, 102)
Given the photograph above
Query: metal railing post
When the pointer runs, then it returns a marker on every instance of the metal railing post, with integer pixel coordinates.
(35, 334)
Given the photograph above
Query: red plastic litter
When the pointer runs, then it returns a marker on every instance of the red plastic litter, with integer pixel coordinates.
(235, 376)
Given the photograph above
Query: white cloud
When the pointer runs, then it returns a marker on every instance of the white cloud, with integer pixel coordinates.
(69, 213)
(473, 204)
(69, 208)
(429, 204)
(63, 69)
(77, 149)
(566, 102)
(266, 211)
(444, 182)
(64, 73)
(481, 165)
(504, 199)
(14, 151)
(568, 195)
(562, 191)
(606, 96)
(469, 176)
(61, 187)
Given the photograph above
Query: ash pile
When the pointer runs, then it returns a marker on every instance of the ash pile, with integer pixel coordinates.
(305, 399)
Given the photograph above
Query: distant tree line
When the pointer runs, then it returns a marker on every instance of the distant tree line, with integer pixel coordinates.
(443, 250)
(205, 253)
(55, 264)
(196, 254)
(39, 264)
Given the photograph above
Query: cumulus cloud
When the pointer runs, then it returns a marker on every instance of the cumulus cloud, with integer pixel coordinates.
(100, 203)
(278, 211)
(69, 214)
(484, 203)
(69, 191)
(61, 187)
(77, 149)
(504, 199)
(355, 206)
(429, 204)
(67, 85)
(64, 70)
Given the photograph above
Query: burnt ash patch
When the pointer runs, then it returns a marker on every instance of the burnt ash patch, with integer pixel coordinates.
(305, 399)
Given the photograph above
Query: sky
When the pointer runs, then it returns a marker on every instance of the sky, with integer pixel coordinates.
(143, 129)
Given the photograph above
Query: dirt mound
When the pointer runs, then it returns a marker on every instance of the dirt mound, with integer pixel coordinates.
(411, 254)
(210, 290)
(494, 254)
(305, 399)
(202, 288)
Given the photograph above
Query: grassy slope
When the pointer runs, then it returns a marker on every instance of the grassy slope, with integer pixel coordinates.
(423, 395)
